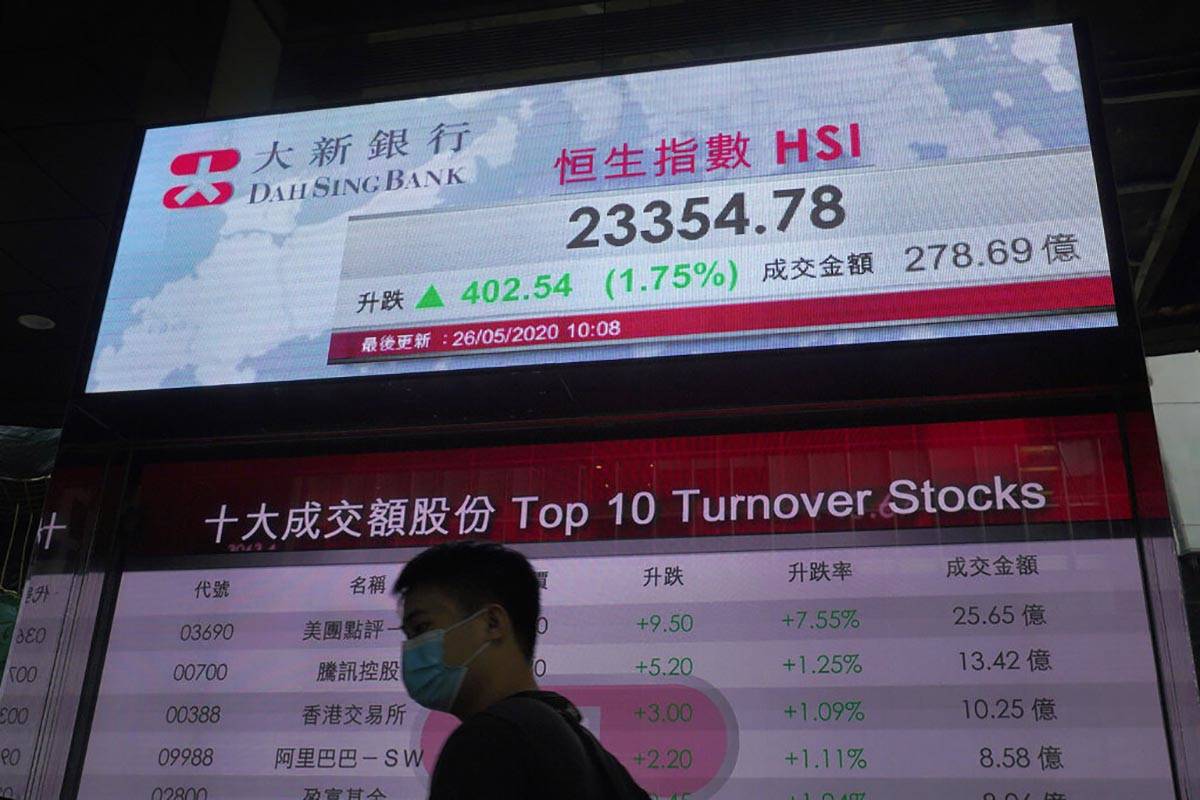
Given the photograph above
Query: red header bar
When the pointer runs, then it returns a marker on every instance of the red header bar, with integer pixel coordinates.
(1065, 469)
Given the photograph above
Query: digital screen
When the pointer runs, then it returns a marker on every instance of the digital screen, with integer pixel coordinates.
(912, 191)
(948, 610)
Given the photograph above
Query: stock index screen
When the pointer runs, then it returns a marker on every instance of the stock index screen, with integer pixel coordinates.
(910, 191)
(942, 610)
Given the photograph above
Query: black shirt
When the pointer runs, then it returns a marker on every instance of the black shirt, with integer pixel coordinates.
(529, 746)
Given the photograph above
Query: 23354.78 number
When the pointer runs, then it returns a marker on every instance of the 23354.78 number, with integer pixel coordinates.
(662, 221)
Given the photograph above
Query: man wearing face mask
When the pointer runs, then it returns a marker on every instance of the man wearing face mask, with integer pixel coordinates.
(470, 612)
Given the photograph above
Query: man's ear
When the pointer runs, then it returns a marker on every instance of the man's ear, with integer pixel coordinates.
(498, 623)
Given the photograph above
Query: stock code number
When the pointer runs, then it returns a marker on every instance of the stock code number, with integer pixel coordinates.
(23, 674)
(193, 715)
(185, 757)
(179, 793)
(30, 635)
(211, 632)
(193, 673)
(661, 222)
(14, 715)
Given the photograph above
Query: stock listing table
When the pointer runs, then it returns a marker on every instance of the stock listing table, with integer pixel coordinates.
(998, 671)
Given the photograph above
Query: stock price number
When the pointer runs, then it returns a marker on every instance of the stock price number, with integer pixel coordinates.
(658, 221)
(657, 713)
(670, 666)
(671, 758)
(672, 623)
(185, 757)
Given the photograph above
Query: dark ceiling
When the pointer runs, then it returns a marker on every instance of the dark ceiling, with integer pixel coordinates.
(78, 86)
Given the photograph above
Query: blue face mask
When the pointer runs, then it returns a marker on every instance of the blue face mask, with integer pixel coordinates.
(429, 680)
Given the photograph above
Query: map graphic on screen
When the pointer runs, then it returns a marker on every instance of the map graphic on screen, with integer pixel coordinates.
(931, 189)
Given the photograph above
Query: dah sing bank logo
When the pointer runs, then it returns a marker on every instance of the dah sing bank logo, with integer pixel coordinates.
(200, 191)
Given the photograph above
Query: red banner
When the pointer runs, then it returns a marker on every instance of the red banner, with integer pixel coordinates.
(1066, 469)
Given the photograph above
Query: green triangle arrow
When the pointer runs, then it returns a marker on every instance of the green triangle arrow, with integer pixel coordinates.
(431, 298)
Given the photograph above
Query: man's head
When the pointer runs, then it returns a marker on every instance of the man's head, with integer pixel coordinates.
(495, 591)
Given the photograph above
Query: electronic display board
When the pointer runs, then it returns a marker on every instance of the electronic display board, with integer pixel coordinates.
(909, 191)
(903, 612)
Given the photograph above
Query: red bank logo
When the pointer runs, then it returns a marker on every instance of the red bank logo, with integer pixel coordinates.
(199, 191)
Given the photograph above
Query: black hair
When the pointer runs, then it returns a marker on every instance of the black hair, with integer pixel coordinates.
(476, 573)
